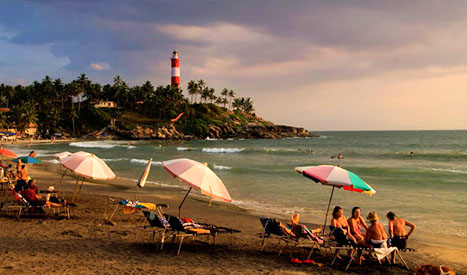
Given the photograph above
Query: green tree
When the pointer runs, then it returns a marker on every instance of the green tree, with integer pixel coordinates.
(192, 89)
(28, 115)
(201, 88)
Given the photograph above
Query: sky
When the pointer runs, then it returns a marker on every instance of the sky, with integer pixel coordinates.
(322, 65)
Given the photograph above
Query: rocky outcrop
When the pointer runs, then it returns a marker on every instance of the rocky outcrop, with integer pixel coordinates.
(231, 126)
(139, 132)
(258, 130)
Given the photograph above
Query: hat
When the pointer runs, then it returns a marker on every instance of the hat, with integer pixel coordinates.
(372, 216)
(50, 189)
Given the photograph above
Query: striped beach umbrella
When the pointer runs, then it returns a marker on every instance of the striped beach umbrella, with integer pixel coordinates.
(336, 177)
(7, 153)
(27, 159)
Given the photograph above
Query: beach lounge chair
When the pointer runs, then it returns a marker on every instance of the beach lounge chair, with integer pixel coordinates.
(181, 230)
(129, 206)
(22, 205)
(158, 224)
(272, 229)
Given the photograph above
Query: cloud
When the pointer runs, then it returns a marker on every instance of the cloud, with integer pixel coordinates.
(99, 66)
(286, 52)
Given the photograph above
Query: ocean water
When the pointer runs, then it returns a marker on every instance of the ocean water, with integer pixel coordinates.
(428, 188)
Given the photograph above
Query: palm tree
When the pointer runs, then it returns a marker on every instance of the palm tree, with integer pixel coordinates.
(211, 95)
(205, 94)
(27, 116)
(231, 95)
(147, 90)
(192, 89)
(201, 87)
(225, 93)
(237, 103)
(248, 106)
(3, 120)
(59, 89)
(83, 85)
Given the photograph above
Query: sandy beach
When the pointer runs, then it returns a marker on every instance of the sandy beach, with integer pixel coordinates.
(85, 244)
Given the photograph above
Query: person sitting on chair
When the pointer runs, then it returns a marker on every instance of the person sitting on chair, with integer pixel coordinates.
(355, 224)
(30, 194)
(375, 235)
(299, 230)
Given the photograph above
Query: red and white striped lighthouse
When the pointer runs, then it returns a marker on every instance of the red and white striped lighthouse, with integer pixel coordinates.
(175, 82)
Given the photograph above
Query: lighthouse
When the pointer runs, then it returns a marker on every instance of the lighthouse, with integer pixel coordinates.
(175, 81)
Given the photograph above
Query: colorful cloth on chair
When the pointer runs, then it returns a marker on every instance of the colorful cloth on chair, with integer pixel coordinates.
(137, 204)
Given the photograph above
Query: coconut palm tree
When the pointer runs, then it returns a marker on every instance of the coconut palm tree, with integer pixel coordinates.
(211, 95)
(192, 89)
(225, 93)
(28, 115)
(231, 96)
(60, 91)
(237, 103)
(201, 87)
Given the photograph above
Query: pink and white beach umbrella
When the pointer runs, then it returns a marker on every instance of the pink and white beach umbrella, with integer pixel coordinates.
(87, 165)
(199, 177)
(62, 155)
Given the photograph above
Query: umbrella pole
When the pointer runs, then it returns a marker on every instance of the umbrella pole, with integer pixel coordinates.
(136, 192)
(82, 182)
(180, 206)
(327, 211)
(62, 176)
(74, 193)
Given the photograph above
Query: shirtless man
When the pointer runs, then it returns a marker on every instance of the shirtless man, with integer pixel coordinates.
(397, 230)
(375, 234)
(355, 224)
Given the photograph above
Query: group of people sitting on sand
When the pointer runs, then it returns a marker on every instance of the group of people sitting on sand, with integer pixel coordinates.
(348, 231)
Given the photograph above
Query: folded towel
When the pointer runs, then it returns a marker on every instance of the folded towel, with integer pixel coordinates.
(381, 253)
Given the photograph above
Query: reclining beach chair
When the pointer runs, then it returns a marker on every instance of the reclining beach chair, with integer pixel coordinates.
(219, 230)
(272, 229)
(158, 224)
(181, 231)
(129, 206)
(22, 205)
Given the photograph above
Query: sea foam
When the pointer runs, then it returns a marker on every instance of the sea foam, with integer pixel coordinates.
(221, 167)
(120, 159)
(92, 144)
(449, 170)
(144, 161)
(222, 150)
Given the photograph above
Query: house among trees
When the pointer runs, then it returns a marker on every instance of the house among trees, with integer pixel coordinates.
(105, 104)
(31, 129)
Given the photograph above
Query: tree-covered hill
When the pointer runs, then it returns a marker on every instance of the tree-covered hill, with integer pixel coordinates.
(143, 112)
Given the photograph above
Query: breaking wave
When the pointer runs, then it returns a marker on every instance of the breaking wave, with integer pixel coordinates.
(145, 161)
(222, 150)
(120, 159)
(449, 170)
(92, 144)
(221, 167)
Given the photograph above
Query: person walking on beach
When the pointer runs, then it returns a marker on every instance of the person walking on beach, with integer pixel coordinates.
(397, 231)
